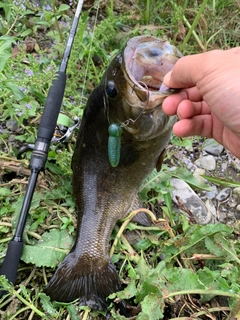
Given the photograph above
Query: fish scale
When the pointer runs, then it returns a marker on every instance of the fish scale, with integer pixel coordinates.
(104, 194)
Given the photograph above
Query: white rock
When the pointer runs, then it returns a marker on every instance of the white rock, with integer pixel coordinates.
(206, 162)
(212, 209)
(232, 202)
(212, 194)
(230, 214)
(213, 147)
(190, 200)
(236, 191)
(197, 174)
(224, 194)
(224, 166)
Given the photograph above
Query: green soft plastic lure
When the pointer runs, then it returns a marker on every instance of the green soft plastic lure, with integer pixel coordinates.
(114, 144)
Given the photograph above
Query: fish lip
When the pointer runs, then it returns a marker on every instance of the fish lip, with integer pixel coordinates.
(149, 57)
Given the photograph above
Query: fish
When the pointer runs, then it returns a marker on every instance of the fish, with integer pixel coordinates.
(129, 96)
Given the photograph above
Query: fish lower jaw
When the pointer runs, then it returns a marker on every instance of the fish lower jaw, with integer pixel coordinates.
(151, 83)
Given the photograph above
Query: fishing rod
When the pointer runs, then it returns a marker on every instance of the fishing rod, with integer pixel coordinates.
(39, 154)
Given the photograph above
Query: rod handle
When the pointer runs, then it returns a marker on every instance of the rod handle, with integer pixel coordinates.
(52, 108)
(10, 263)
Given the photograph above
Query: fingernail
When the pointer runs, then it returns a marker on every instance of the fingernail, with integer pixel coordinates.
(167, 77)
(178, 116)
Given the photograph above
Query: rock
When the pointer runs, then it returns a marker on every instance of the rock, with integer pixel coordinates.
(190, 200)
(212, 194)
(132, 237)
(12, 138)
(212, 209)
(213, 147)
(197, 174)
(233, 161)
(238, 207)
(236, 192)
(222, 216)
(230, 214)
(224, 166)
(232, 203)
(224, 194)
(206, 162)
(12, 125)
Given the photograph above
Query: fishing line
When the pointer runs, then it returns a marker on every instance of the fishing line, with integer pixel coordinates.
(89, 54)
(115, 131)
(126, 122)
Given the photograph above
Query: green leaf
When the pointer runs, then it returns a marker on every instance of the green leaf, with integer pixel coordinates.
(53, 168)
(179, 279)
(152, 307)
(38, 95)
(142, 269)
(4, 58)
(18, 94)
(201, 232)
(63, 119)
(47, 305)
(223, 182)
(198, 233)
(221, 247)
(37, 197)
(159, 181)
(26, 33)
(188, 177)
(127, 293)
(50, 250)
(25, 292)
(155, 181)
(168, 200)
(213, 280)
(63, 7)
(181, 142)
(152, 283)
(73, 312)
(4, 192)
(143, 244)
(5, 50)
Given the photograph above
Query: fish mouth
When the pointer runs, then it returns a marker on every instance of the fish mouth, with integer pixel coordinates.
(147, 61)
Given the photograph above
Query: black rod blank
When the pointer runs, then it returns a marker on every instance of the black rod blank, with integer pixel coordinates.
(39, 155)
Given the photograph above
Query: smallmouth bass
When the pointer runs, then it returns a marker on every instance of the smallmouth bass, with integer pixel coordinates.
(130, 95)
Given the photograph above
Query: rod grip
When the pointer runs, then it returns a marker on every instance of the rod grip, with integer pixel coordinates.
(10, 263)
(52, 108)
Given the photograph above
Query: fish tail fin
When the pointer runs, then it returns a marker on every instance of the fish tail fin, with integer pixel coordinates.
(91, 280)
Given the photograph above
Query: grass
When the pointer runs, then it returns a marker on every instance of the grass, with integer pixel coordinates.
(201, 263)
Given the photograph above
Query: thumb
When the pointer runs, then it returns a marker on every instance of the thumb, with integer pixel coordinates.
(185, 72)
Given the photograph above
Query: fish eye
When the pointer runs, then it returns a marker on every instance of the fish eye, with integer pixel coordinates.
(111, 89)
(155, 52)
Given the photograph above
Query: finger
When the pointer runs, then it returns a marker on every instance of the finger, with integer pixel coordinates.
(171, 103)
(182, 74)
(190, 69)
(199, 126)
(188, 109)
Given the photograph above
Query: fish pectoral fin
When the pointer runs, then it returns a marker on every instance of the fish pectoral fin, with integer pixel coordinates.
(90, 280)
(160, 161)
(141, 218)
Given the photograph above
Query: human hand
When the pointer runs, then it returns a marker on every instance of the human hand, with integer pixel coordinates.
(209, 104)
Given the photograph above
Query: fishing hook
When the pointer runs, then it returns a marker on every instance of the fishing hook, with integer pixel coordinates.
(115, 132)
(126, 122)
